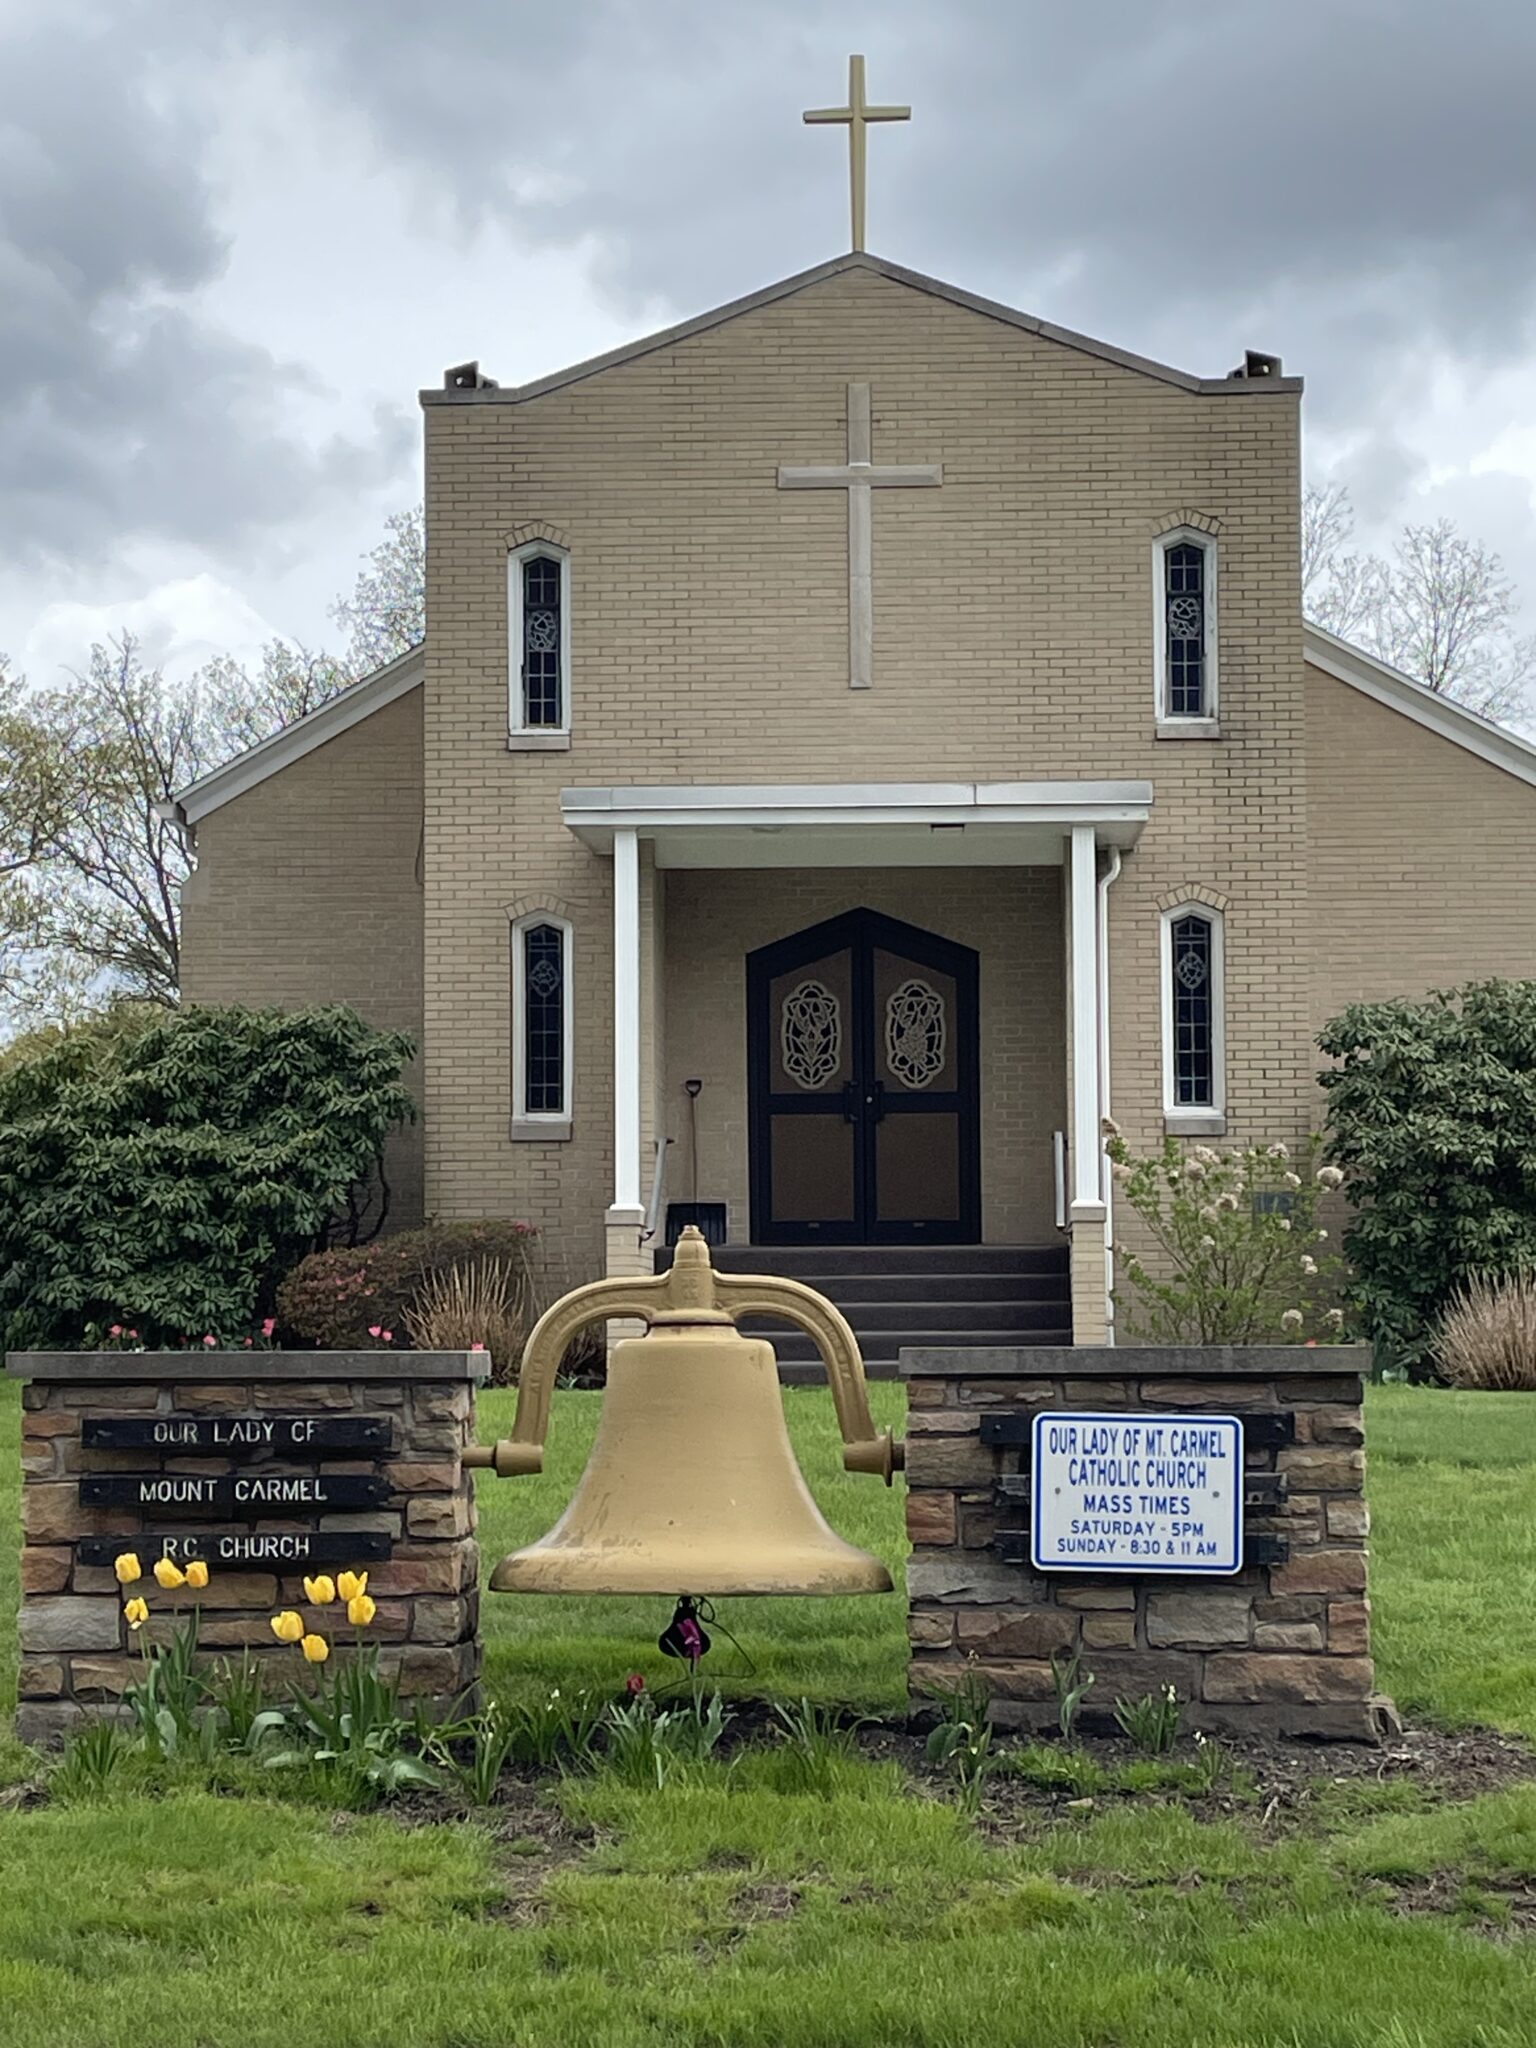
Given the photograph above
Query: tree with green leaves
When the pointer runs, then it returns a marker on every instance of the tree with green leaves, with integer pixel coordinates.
(1432, 1116)
(161, 1173)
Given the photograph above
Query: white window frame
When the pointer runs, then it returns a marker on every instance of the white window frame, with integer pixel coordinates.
(1203, 1119)
(1208, 725)
(542, 1125)
(521, 736)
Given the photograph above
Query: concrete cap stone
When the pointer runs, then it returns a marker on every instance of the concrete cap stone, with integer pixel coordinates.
(158, 1368)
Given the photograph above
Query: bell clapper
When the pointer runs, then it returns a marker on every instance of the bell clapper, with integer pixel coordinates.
(684, 1634)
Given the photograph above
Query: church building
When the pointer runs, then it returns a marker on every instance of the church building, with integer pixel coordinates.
(865, 736)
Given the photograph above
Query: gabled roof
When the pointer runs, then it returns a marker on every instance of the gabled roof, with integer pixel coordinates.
(337, 715)
(495, 394)
(1426, 707)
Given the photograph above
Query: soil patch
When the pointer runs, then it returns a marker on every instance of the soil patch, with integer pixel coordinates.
(1276, 1786)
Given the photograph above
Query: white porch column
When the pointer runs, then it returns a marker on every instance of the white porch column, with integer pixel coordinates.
(626, 1213)
(1087, 1214)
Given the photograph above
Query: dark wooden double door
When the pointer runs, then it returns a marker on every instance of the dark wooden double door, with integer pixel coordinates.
(864, 1097)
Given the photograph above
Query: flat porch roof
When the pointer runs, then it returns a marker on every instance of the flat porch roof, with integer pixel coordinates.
(859, 824)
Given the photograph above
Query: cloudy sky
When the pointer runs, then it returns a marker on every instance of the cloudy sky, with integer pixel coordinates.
(236, 240)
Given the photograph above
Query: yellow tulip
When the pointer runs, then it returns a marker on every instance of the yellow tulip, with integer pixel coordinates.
(136, 1613)
(197, 1574)
(169, 1575)
(320, 1592)
(288, 1627)
(129, 1570)
(350, 1584)
(361, 1609)
(316, 1649)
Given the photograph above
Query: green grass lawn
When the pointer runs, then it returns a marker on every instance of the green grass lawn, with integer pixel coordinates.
(850, 1650)
(726, 1910)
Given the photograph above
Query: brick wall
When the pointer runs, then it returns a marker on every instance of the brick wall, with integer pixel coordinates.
(308, 890)
(1419, 856)
(1281, 1647)
(709, 643)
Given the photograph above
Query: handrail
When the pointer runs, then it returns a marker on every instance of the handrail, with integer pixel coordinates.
(658, 1184)
(1059, 1168)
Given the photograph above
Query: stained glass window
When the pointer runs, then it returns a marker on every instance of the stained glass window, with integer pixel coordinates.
(543, 627)
(543, 1022)
(1184, 594)
(1193, 1023)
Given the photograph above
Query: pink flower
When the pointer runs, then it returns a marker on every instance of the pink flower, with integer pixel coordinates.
(210, 1341)
(389, 1336)
(269, 1326)
(375, 1329)
(477, 1347)
(116, 1330)
(133, 1333)
(248, 1342)
(634, 1685)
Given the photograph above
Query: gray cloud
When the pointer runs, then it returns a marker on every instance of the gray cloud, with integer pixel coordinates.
(1187, 173)
(1349, 182)
(127, 414)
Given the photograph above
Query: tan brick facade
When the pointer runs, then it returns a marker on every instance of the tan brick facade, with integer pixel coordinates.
(308, 890)
(1349, 850)
(709, 644)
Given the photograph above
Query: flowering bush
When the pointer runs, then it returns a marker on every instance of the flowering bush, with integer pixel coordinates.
(357, 1300)
(1243, 1259)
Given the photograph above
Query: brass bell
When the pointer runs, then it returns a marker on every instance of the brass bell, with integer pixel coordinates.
(692, 1487)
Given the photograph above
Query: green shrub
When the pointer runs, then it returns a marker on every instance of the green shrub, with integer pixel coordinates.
(166, 1178)
(338, 1299)
(1432, 1113)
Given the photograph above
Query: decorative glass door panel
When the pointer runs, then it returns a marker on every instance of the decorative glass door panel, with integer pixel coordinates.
(862, 1044)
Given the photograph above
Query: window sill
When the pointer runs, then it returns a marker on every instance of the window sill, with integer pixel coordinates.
(538, 743)
(1203, 1123)
(1189, 728)
(529, 1130)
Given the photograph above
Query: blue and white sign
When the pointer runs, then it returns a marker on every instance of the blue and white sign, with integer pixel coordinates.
(1138, 1493)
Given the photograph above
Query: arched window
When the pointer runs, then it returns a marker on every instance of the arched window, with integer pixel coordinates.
(1194, 1031)
(538, 612)
(1184, 570)
(541, 1027)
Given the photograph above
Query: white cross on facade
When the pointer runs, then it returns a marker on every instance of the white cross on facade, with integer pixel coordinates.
(858, 476)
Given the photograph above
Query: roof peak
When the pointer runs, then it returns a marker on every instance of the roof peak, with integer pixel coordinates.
(478, 391)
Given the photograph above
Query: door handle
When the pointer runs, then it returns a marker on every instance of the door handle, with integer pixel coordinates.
(875, 1100)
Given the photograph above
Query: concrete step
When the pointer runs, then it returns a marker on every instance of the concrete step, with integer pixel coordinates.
(804, 1261)
(849, 1289)
(875, 1318)
(792, 1348)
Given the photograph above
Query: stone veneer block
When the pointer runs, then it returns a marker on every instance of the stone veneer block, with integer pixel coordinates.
(77, 1655)
(1280, 1647)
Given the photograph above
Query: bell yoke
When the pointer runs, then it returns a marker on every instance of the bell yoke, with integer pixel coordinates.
(692, 1486)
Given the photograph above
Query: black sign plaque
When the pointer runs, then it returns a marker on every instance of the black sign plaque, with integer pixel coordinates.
(228, 1497)
(241, 1550)
(289, 1436)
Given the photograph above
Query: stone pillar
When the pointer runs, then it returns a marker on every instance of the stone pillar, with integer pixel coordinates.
(408, 1416)
(1280, 1647)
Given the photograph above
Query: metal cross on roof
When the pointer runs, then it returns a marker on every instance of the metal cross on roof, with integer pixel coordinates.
(856, 116)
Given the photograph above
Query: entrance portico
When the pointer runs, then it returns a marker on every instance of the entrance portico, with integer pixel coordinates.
(680, 950)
